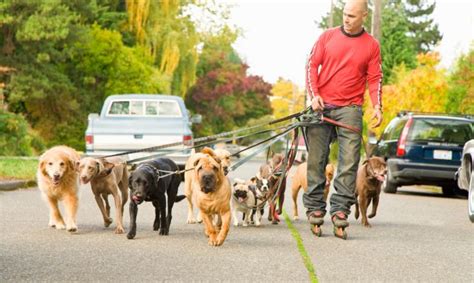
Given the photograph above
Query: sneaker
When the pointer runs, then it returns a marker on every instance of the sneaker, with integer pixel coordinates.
(316, 217)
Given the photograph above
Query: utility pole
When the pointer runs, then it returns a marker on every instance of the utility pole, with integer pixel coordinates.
(377, 20)
(331, 17)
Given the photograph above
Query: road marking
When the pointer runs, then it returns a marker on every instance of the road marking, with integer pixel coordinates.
(304, 254)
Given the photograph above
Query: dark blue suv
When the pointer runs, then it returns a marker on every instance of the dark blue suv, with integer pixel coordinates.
(423, 149)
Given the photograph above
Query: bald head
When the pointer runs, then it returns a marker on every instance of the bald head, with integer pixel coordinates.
(353, 16)
(360, 5)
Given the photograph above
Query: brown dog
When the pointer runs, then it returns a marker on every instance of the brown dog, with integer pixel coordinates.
(213, 191)
(300, 180)
(370, 177)
(108, 177)
(224, 157)
(57, 180)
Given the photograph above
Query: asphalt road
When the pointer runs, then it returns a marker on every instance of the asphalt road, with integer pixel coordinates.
(416, 236)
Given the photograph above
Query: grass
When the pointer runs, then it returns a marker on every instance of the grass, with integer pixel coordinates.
(18, 168)
(304, 254)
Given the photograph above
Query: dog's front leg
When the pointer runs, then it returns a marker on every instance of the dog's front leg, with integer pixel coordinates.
(210, 230)
(105, 216)
(163, 220)
(71, 203)
(375, 203)
(247, 215)
(156, 223)
(258, 217)
(133, 209)
(118, 211)
(235, 217)
(363, 204)
(225, 228)
(55, 218)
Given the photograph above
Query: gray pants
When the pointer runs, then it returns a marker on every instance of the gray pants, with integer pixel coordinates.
(319, 140)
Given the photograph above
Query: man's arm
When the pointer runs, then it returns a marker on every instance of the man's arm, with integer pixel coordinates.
(314, 61)
(374, 79)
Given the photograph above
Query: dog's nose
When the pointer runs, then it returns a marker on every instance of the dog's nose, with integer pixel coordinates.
(56, 176)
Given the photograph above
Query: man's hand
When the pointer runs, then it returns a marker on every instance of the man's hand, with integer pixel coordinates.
(317, 103)
(378, 116)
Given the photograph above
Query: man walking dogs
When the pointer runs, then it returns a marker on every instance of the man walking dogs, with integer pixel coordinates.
(342, 61)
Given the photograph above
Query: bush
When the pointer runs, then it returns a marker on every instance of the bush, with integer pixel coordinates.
(16, 138)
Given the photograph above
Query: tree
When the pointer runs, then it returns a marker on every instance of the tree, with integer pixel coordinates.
(461, 85)
(423, 31)
(286, 98)
(421, 89)
(223, 94)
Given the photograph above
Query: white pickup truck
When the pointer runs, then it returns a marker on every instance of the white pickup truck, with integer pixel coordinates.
(136, 121)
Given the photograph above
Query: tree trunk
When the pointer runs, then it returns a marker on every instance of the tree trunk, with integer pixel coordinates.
(377, 20)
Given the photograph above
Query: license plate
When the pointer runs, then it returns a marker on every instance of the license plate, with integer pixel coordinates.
(443, 154)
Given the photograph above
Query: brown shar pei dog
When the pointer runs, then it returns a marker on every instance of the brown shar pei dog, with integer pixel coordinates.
(213, 192)
(300, 180)
(224, 157)
(107, 176)
(57, 181)
(370, 177)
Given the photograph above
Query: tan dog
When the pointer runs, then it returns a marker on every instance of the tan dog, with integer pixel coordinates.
(213, 191)
(224, 157)
(300, 180)
(57, 180)
(370, 177)
(107, 177)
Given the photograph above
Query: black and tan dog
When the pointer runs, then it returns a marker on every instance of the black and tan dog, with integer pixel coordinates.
(150, 181)
(213, 193)
(370, 177)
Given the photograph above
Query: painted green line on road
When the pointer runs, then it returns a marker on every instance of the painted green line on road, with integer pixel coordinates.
(304, 254)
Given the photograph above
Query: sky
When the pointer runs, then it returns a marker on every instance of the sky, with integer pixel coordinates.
(279, 34)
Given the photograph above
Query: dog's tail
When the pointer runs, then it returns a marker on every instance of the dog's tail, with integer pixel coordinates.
(179, 198)
(181, 167)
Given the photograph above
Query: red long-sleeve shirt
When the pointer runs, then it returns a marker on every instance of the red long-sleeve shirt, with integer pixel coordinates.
(347, 63)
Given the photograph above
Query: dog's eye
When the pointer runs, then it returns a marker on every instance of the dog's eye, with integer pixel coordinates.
(50, 163)
(61, 164)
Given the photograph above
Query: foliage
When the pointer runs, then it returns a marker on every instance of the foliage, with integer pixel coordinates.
(461, 85)
(224, 95)
(16, 137)
(421, 89)
(286, 98)
(424, 32)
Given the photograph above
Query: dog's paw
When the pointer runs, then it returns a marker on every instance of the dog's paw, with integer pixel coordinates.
(191, 221)
(156, 226)
(119, 230)
(107, 222)
(60, 226)
(372, 215)
(236, 224)
(245, 224)
(130, 235)
(163, 232)
(72, 228)
(367, 225)
(296, 217)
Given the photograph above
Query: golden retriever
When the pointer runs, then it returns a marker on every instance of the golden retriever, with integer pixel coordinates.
(107, 177)
(57, 181)
(213, 191)
(300, 180)
(224, 159)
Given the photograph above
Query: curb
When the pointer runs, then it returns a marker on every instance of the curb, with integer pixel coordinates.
(12, 185)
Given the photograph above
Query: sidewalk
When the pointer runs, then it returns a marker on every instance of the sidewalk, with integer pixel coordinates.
(10, 185)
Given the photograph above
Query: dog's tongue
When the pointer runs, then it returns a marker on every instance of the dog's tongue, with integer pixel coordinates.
(136, 199)
(381, 178)
(241, 199)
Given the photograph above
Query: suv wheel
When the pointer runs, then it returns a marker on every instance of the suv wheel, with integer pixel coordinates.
(470, 197)
(388, 185)
(448, 191)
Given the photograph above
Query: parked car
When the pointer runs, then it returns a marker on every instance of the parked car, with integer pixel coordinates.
(423, 149)
(465, 175)
(137, 121)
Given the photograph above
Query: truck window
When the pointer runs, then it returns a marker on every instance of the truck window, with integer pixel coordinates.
(169, 108)
(119, 108)
(137, 107)
(151, 108)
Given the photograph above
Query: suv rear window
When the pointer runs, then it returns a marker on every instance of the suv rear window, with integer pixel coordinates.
(441, 131)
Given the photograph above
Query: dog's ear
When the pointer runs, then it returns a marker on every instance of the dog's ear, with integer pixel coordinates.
(253, 180)
(130, 182)
(42, 167)
(133, 167)
(78, 164)
(365, 162)
(106, 168)
(196, 162)
(217, 159)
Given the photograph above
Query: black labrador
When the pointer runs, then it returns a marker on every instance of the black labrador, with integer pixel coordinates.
(152, 181)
